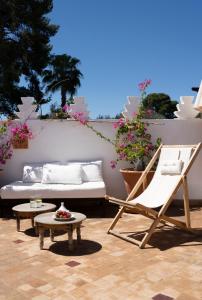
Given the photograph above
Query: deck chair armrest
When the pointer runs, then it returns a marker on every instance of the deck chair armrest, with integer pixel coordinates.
(121, 202)
(110, 198)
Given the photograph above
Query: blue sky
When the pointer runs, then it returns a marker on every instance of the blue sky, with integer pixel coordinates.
(122, 42)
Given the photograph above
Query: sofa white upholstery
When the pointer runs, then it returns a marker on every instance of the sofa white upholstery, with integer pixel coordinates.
(27, 190)
(21, 190)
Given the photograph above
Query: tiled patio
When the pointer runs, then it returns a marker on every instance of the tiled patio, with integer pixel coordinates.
(103, 267)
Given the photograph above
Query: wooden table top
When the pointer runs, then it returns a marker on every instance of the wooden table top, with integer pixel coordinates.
(25, 207)
(49, 219)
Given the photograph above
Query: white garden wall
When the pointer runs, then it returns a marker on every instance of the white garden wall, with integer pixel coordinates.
(63, 140)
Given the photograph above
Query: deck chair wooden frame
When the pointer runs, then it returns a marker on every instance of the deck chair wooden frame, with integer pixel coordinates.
(157, 217)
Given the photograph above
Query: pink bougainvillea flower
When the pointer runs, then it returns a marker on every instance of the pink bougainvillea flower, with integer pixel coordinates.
(120, 123)
(149, 112)
(115, 125)
(79, 116)
(5, 152)
(143, 85)
(21, 132)
(14, 130)
(150, 146)
(122, 146)
(130, 136)
(113, 164)
(66, 108)
(122, 156)
(24, 126)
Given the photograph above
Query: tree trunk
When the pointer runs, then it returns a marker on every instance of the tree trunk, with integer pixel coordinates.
(63, 97)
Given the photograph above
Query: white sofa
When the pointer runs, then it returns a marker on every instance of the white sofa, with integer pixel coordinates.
(57, 180)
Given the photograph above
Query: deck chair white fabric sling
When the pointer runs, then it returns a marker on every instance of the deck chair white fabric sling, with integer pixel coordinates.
(174, 164)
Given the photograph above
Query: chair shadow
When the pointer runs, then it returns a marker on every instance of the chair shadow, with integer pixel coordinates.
(177, 211)
(171, 237)
(86, 247)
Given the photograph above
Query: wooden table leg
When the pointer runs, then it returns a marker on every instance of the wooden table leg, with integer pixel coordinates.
(41, 237)
(18, 222)
(36, 229)
(52, 235)
(78, 233)
(70, 238)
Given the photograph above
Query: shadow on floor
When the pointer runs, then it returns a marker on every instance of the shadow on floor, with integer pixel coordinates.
(31, 232)
(168, 237)
(92, 208)
(86, 247)
(175, 211)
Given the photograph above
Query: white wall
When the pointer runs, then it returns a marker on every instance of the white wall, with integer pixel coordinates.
(63, 140)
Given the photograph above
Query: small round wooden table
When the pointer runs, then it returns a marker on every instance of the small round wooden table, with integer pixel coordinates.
(47, 221)
(27, 212)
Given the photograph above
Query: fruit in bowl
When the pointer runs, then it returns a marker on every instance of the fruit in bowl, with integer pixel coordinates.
(62, 214)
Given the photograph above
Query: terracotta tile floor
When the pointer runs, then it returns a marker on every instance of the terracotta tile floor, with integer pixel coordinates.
(103, 267)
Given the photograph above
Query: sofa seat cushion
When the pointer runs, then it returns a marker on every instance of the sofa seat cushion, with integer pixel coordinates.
(22, 190)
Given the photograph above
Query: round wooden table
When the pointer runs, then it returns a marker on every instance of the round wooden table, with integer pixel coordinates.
(27, 212)
(47, 221)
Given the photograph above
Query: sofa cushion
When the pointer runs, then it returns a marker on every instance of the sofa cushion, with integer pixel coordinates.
(60, 173)
(91, 171)
(21, 190)
(33, 172)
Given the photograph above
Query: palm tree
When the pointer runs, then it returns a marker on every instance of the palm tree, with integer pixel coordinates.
(63, 75)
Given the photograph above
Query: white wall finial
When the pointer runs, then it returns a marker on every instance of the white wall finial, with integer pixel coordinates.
(27, 110)
(79, 106)
(186, 108)
(131, 107)
(198, 101)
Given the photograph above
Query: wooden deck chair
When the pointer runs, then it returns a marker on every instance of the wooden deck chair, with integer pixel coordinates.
(160, 192)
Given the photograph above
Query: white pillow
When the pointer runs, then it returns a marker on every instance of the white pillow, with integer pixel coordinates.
(59, 173)
(171, 167)
(33, 172)
(91, 171)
